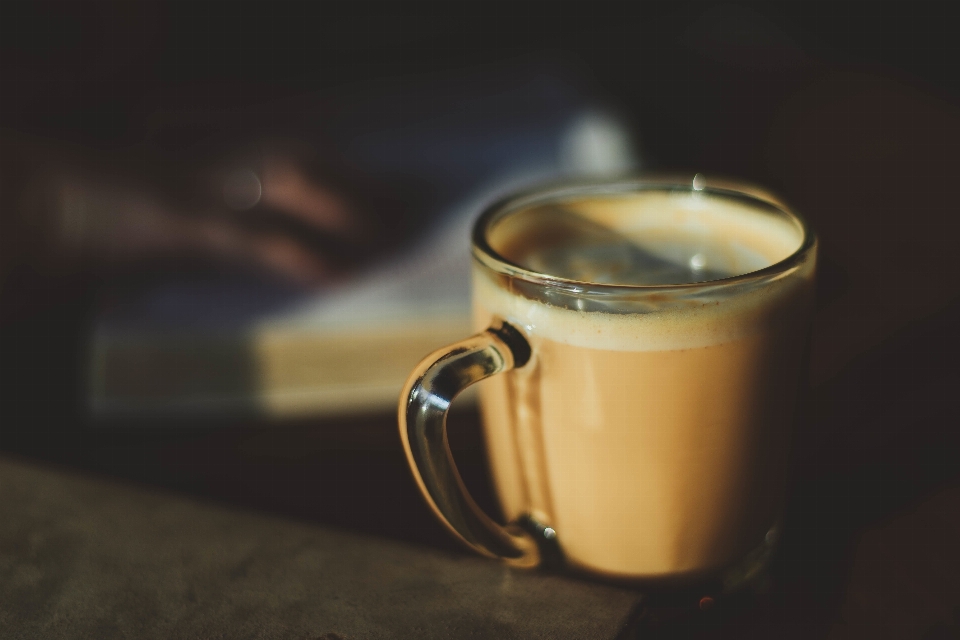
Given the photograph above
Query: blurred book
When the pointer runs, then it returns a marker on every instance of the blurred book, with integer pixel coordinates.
(232, 345)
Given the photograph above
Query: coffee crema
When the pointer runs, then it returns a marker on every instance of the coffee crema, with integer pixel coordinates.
(654, 443)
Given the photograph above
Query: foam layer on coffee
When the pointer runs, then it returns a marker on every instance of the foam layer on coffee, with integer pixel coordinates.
(666, 231)
(696, 325)
(646, 238)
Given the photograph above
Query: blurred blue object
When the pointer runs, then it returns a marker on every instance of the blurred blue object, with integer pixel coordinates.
(236, 343)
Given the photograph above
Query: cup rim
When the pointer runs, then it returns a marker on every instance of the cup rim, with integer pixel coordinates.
(697, 183)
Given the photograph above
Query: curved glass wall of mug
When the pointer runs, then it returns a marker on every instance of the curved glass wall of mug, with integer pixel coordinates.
(651, 241)
(669, 250)
(667, 321)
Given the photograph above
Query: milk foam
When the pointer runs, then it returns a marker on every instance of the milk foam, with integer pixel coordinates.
(646, 217)
(684, 328)
(645, 238)
(752, 236)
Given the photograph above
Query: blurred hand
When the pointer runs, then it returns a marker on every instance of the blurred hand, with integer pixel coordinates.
(70, 213)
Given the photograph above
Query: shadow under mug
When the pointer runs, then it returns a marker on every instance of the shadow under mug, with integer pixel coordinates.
(636, 431)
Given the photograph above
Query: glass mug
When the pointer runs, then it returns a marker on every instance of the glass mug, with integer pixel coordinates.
(641, 345)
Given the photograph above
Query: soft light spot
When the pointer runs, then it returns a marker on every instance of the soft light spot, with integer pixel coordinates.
(242, 190)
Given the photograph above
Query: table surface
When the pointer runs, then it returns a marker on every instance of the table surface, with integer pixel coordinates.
(244, 549)
(84, 557)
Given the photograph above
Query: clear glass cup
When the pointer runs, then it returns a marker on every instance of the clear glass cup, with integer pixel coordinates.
(641, 346)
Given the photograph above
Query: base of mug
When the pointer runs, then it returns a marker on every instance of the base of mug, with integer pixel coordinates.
(749, 574)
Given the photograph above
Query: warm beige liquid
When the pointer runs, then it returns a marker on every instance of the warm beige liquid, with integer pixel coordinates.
(654, 444)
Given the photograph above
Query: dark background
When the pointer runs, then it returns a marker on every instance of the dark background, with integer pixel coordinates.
(702, 81)
(707, 87)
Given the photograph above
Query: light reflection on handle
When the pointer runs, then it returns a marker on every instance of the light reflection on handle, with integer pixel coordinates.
(423, 420)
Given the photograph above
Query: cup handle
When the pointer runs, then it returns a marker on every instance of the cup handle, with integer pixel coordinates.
(423, 429)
